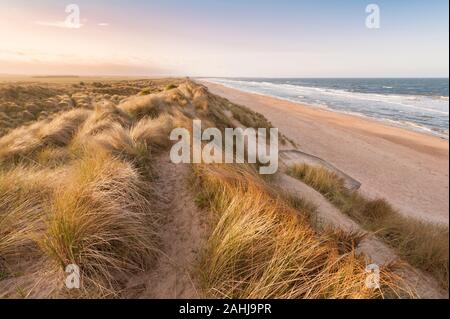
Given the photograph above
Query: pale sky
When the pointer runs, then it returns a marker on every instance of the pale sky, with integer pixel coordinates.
(241, 38)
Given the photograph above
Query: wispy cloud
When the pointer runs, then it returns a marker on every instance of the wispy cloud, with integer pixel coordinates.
(103, 24)
(59, 24)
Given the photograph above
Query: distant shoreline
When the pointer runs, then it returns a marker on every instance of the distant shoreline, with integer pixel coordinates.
(409, 125)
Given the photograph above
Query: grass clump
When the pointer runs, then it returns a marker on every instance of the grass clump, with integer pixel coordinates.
(262, 248)
(346, 241)
(424, 245)
(53, 157)
(22, 143)
(318, 178)
(170, 87)
(145, 91)
(143, 106)
(247, 117)
(136, 144)
(24, 195)
(102, 222)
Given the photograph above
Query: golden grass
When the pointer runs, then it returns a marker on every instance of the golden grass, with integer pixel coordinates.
(102, 222)
(23, 142)
(262, 248)
(318, 178)
(52, 157)
(76, 189)
(346, 241)
(305, 207)
(153, 105)
(24, 193)
(38, 98)
(153, 132)
(59, 131)
(136, 144)
(247, 117)
(20, 141)
(21, 104)
(170, 87)
(101, 119)
(139, 107)
(424, 245)
(96, 213)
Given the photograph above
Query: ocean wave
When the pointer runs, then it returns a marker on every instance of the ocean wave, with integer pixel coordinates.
(417, 102)
(418, 112)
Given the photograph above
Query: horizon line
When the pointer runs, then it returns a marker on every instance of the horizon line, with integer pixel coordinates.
(42, 75)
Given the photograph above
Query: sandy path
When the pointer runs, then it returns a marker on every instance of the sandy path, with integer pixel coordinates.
(409, 169)
(183, 235)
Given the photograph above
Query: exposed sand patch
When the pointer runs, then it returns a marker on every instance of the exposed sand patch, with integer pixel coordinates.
(182, 237)
(407, 168)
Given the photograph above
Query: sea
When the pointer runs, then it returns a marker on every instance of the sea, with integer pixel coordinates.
(419, 104)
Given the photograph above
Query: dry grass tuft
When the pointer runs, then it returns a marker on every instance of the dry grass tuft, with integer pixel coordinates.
(23, 142)
(18, 142)
(319, 178)
(52, 157)
(247, 117)
(303, 207)
(152, 105)
(59, 132)
(137, 144)
(344, 240)
(143, 106)
(118, 141)
(101, 119)
(101, 221)
(153, 132)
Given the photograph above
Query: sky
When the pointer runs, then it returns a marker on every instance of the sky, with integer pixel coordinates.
(225, 38)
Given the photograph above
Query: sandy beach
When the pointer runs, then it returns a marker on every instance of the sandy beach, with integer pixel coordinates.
(407, 168)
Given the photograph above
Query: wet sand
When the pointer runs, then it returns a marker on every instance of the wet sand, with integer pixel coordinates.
(407, 168)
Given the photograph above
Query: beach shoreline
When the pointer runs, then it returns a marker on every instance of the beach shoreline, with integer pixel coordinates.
(371, 109)
(406, 167)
